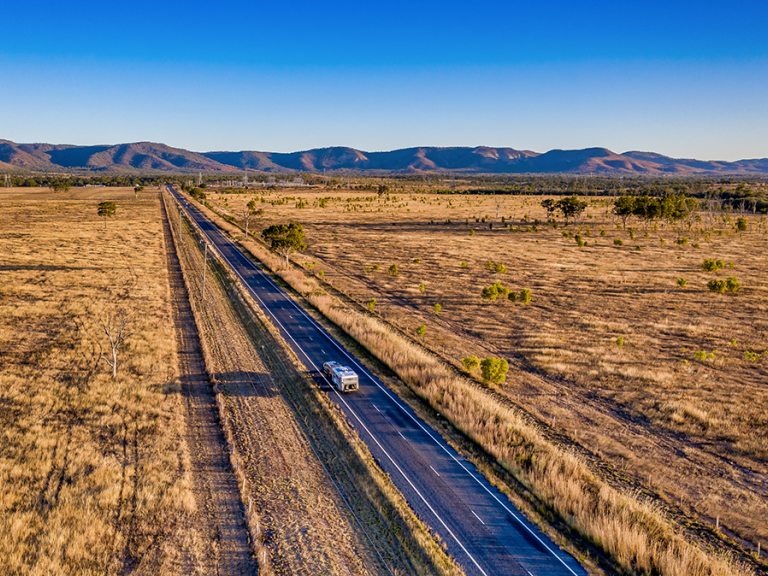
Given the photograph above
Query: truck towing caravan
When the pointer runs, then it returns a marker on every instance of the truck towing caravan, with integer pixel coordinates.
(343, 378)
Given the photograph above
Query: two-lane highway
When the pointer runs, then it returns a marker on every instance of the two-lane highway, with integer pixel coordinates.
(481, 528)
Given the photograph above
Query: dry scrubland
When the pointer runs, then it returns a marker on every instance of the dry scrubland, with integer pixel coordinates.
(94, 471)
(698, 427)
(316, 501)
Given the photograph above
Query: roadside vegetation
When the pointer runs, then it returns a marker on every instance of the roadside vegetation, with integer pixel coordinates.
(94, 469)
(608, 414)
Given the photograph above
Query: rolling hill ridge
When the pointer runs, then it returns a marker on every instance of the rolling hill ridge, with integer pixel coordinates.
(144, 157)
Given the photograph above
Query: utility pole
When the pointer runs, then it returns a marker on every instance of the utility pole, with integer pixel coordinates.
(205, 268)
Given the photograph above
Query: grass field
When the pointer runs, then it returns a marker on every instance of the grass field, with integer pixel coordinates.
(649, 406)
(94, 471)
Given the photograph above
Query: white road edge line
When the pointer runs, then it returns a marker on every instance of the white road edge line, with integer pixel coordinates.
(389, 395)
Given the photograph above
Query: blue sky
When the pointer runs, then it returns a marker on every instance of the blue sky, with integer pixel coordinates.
(687, 79)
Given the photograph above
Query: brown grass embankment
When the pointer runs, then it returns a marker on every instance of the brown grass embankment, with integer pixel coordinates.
(94, 471)
(631, 531)
(314, 495)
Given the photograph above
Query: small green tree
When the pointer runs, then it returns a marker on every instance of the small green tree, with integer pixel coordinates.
(624, 208)
(571, 207)
(107, 210)
(371, 304)
(494, 370)
(525, 296)
(249, 213)
(732, 285)
(711, 265)
(717, 286)
(421, 330)
(285, 238)
(392, 270)
(471, 363)
(490, 293)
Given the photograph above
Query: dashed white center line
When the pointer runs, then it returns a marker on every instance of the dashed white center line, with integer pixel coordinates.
(310, 337)
(401, 435)
(435, 471)
(323, 351)
(377, 410)
(478, 517)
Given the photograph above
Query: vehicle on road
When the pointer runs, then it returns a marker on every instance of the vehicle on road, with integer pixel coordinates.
(344, 379)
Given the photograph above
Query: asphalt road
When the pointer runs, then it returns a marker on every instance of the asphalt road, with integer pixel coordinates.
(481, 528)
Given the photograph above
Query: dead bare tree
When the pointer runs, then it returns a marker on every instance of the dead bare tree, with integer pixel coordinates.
(114, 326)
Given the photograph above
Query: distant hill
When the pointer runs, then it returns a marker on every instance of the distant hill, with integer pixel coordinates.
(144, 157)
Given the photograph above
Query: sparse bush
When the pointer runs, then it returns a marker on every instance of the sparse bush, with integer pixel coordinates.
(732, 285)
(602, 232)
(438, 309)
(471, 363)
(471, 232)
(638, 248)
(376, 267)
(490, 293)
(620, 341)
(417, 261)
(500, 269)
(371, 304)
(741, 224)
(682, 241)
(512, 296)
(631, 234)
(697, 245)
(321, 274)
(489, 265)
(392, 270)
(494, 370)
(422, 288)
(463, 264)
(718, 286)
(525, 296)
(711, 265)
(751, 356)
(502, 290)
(579, 240)
(618, 242)
(682, 282)
(421, 330)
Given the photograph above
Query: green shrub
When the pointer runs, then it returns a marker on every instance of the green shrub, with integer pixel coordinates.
(417, 260)
(682, 241)
(631, 234)
(490, 293)
(579, 240)
(618, 242)
(512, 296)
(490, 265)
(741, 224)
(711, 265)
(471, 232)
(438, 309)
(501, 289)
(371, 304)
(638, 248)
(463, 264)
(392, 270)
(718, 286)
(525, 296)
(500, 269)
(697, 245)
(602, 232)
(732, 285)
(620, 341)
(682, 282)
(422, 288)
(751, 356)
(662, 241)
(471, 363)
(494, 370)
(375, 266)
(421, 330)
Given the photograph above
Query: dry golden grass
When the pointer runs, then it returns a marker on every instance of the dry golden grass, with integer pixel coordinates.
(93, 470)
(695, 426)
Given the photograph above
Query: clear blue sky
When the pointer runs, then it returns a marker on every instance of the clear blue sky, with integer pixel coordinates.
(687, 79)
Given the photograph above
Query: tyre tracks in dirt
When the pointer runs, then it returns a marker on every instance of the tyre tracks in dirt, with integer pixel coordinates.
(221, 518)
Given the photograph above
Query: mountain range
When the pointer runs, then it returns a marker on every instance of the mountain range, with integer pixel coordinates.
(149, 157)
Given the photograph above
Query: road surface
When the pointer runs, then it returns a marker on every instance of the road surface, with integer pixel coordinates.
(481, 528)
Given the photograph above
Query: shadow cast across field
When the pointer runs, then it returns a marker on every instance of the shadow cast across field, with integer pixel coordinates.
(238, 383)
(42, 268)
